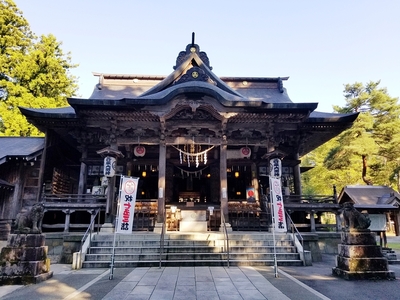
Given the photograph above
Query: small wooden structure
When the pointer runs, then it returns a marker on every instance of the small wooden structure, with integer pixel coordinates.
(380, 202)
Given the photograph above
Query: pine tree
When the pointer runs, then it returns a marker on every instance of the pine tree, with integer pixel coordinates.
(34, 72)
(366, 153)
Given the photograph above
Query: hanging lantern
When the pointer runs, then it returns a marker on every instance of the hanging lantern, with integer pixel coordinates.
(109, 166)
(139, 151)
(245, 152)
(275, 167)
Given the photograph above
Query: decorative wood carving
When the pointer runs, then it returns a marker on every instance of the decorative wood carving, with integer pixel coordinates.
(195, 74)
(192, 48)
(198, 115)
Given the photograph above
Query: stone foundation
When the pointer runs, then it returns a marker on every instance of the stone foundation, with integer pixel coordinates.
(24, 260)
(360, 258)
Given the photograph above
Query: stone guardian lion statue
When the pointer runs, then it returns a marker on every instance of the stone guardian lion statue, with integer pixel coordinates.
(353, 219)
(30, 220)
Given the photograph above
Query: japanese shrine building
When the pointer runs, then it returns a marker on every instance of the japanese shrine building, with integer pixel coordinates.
(194, 139)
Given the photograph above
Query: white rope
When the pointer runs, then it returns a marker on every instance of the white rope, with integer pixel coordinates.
(193, 154)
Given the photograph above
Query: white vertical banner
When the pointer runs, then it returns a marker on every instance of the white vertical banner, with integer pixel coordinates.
(277, 204)
(127, 200)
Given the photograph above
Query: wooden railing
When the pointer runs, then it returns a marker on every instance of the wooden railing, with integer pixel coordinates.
(74, 198)
(310, 199)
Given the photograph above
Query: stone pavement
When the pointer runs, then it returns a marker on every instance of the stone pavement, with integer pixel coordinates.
(308, 283)
(160, 283)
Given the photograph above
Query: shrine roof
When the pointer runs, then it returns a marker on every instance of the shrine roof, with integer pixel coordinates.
(317, 116)
(192, 75)
(60, 112)
(22, 147)
(131, 86)
(369, 196)
(69, 112)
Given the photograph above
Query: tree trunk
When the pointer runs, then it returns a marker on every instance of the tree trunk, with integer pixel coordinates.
(398, 181)
(364, 171)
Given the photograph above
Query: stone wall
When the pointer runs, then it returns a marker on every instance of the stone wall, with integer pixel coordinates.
(54, 242)
(71, 244)
(321, 243)
(61, 246)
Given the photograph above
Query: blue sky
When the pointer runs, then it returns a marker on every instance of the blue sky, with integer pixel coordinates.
(320, 45)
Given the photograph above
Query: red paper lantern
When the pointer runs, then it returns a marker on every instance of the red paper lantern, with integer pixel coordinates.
(139, 151)
(245, 152)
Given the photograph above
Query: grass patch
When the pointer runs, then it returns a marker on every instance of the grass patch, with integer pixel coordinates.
(395, 246)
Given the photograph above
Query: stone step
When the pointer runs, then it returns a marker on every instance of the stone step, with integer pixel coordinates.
(191, 256)
(191, 249)
(394, 262)
(194, 236)
(189, 263)
(187, 243)
(197, 249)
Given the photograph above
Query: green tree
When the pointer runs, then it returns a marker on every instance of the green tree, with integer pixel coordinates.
(34, 72)
(367, 152)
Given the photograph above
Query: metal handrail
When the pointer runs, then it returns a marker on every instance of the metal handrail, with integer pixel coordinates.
(226, 237)
(89, 230)
(162, 238)
(294, 228)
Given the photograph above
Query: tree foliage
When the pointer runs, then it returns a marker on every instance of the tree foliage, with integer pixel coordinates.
(367, 152)
(34, 72)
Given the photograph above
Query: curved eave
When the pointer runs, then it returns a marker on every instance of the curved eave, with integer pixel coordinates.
(376, 206)
(58, 119)
(320, 117)
(194, 90)
(6, 185)
(64, 112)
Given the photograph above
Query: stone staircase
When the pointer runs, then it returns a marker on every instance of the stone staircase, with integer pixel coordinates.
(391, 256)
(191, 249)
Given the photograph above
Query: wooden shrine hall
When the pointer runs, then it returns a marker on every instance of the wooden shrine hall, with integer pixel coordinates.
(200, 145)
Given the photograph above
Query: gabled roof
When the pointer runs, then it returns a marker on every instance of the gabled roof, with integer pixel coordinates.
(25, 148)
(192, 75)
(370, 196)
(192, 82)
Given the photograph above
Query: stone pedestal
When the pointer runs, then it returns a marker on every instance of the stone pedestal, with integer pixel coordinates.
(193, 220)
(107, 228)
(360, 258)
(24, 260)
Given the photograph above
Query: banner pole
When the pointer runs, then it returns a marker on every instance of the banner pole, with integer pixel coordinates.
(115, 234)
(273, 232)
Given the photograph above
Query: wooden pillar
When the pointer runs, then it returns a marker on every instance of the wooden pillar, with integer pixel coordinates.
(161, 183)
(223, 181)
(254, 181)
(297, 177)
(42, 167)
(67, 223)
(83, 172)
(169, 183)
(312, 221)
(338, 222)
(215, 183)
(397, 222)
